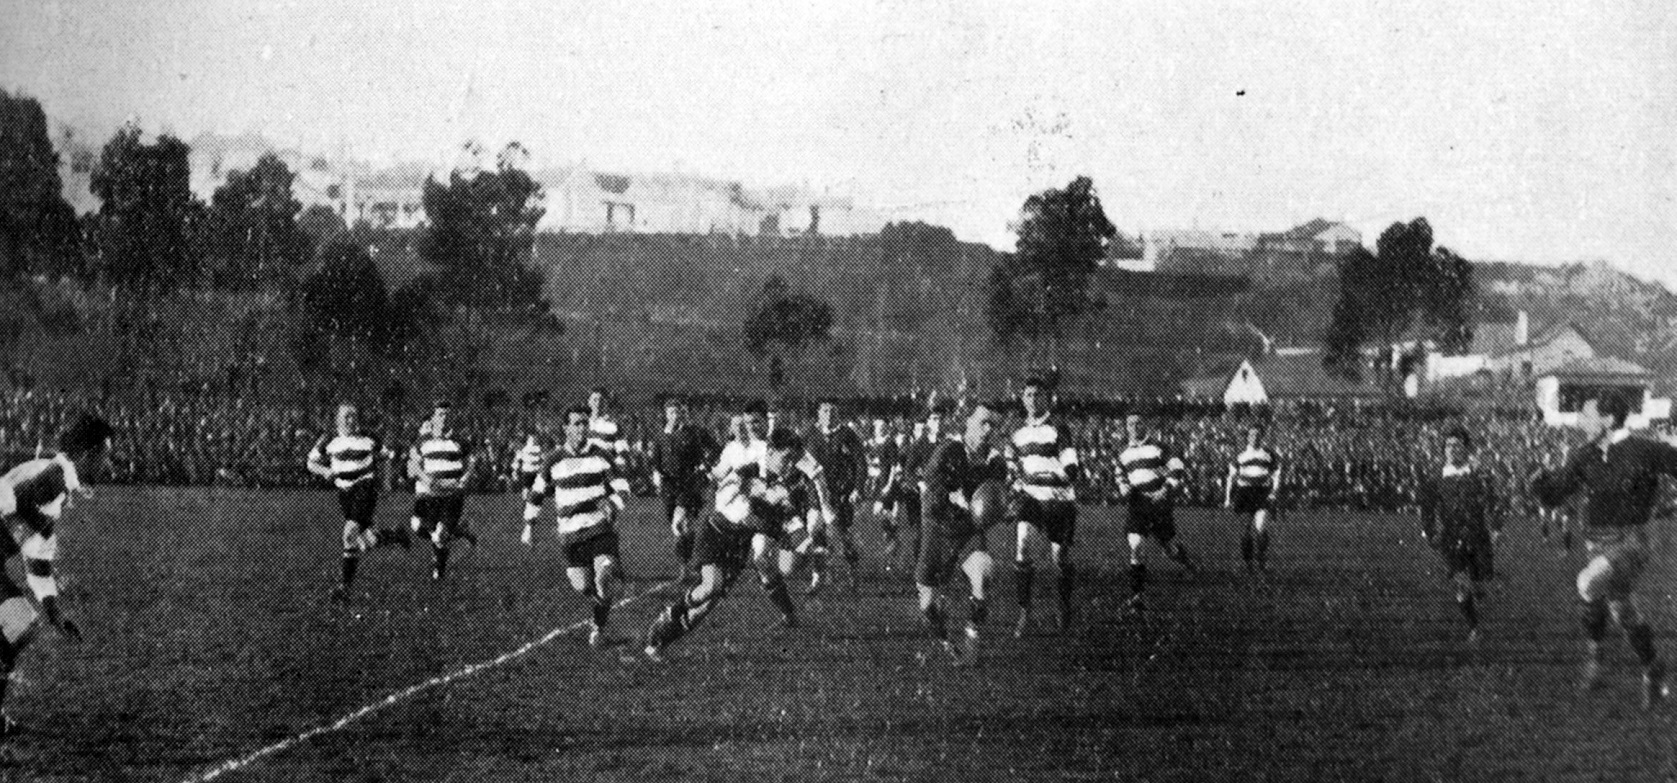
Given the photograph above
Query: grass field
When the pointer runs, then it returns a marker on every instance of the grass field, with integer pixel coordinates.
(209, 639)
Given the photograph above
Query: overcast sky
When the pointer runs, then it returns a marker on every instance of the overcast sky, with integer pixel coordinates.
(1540, 131)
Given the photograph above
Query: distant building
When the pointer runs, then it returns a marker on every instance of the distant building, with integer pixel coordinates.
(1190, 250)
(1319, 238)
(1562, 391)
(582, 200)
(1264, 379)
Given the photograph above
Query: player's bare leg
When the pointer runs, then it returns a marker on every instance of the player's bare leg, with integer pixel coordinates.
(1640, 635)
(935, 614)
(979, 568)
(1024, 572)
(19, 625)
(1467, 595)
(600, 583)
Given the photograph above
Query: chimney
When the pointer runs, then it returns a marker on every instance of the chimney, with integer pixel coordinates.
(1522, 329)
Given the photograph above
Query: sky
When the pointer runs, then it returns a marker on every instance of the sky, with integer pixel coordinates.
(1539, 131)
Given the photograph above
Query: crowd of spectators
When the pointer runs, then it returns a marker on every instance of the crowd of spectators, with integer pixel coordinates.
(1355, 457)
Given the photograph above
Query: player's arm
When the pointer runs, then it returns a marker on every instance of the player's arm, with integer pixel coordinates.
(39, 551)
(1275, 481)
(859, 463)
(818, 477)
(316, 461)
(381, 463)
(1228, 485)
(1176, 474)
(617, 487)
(1070, 464)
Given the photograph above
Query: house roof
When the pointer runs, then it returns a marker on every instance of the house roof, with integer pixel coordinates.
(1297, 376)
(1602, 368)
(1539, 338)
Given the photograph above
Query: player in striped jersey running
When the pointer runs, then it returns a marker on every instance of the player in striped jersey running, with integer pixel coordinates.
(1149, 478)
(442, 461)
(581, 478)
(33, 498)
(1253, 485)
(351, 459)
(1046, 464)
(526, 467)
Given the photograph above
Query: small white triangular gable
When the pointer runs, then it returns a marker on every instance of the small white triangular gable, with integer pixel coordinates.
(1245, 386)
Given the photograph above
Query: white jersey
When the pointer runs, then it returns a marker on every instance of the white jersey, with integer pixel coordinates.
(741, 473)
(1043, 455)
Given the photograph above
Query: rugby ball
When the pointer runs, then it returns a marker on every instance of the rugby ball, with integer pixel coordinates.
(989, 504)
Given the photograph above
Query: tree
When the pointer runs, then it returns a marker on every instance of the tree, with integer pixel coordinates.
(320, 225)
(783, 323)
(482, 229)
(1451, 299)
(38, 228)
(255, 236)
(346, 298)
(1063, 236)
(146, 234)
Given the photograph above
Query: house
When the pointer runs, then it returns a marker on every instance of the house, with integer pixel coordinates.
(1562, 391)
(1319, 237)
(1190, 250)
(1296, 376)
(1511, 350)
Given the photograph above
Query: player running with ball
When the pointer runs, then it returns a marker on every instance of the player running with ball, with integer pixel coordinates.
(964, 496)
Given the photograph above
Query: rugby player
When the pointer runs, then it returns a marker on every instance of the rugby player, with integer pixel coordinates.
(33, 498)
(950, 536)
(681, 459)
(444, 461)
(1619, 471)
(526, 467)
(1253, 484)
(882, 455)
(844, 464)
(353, 460)
(1459, 516)
(1149, 477)
(604, 431)
(755, 503)
(580, 477)
(1046, 465)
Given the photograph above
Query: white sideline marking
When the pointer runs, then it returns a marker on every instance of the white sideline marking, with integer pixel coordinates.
(237, 764)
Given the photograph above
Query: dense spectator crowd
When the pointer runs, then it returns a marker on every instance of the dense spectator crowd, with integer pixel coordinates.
(1359, 457)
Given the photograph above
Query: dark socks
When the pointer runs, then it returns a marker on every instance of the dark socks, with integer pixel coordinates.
(1247, 548)
(602, 612)
(683, 548)
(1066, 584)
(1469, 609)
(781, 599)
(440, 553)
(1641, 638)
(980, 611)
(1262, 542)
(1593, 617)
(1138, 579)
(1023, 572)
(350, 562)
(935, 620)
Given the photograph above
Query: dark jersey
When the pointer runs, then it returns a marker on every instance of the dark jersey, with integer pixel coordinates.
(683, 457)
(1459, 508)
(1623, 480)
(841, 456)
(950, 469)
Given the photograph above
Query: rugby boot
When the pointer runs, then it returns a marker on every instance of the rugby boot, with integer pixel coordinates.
(339, 595)
(528, 537)
(817, 581)
(600, 638)
(1654, 688)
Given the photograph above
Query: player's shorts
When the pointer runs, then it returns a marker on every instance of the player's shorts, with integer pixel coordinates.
(443, 510)
(581, 553)
(1474, 558)
(1057, 519)
(358, 502)
(1617, 558)
(1155, 520)
(527, 481)
(720, 543)
(689, 498)
(1250, 500)
(944, 543)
